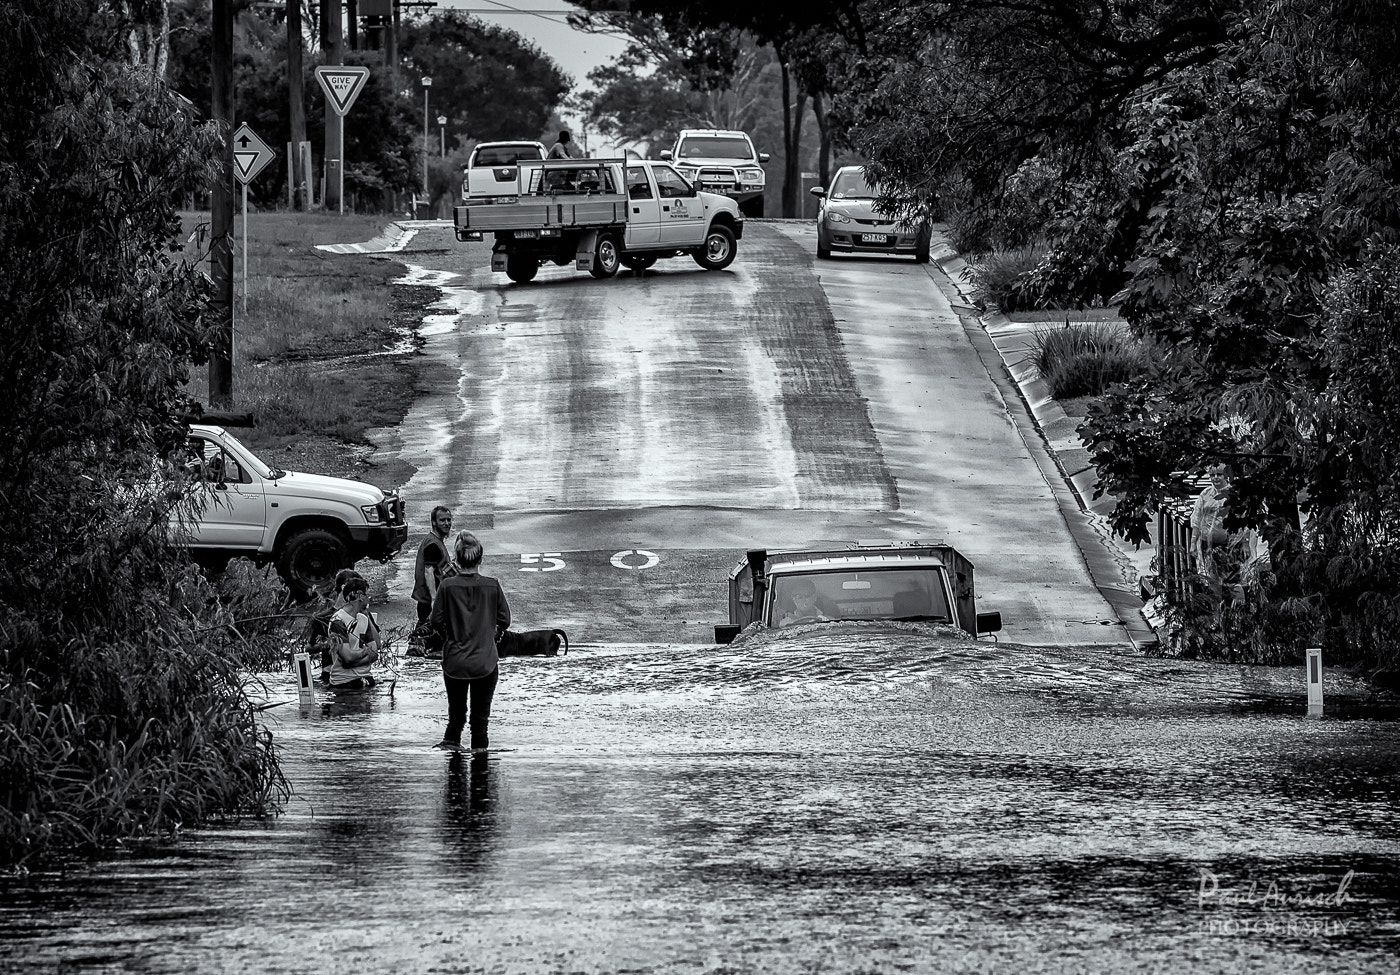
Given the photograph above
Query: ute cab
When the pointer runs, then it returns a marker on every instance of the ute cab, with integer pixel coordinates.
(492, 170)
(905, 582)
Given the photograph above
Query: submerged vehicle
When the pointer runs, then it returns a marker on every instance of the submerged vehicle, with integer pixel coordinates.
(899, 581)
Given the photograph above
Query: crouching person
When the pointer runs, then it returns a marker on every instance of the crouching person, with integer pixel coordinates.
(354, 639)
(468, 610)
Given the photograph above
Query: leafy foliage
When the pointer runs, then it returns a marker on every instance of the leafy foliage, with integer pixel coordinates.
(120, 712)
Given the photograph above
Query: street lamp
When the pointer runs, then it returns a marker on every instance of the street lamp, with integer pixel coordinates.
(427, 83)
(442, 136)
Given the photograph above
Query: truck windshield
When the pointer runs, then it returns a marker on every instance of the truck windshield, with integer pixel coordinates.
(715, 147)
(867, 594)
(505, 155)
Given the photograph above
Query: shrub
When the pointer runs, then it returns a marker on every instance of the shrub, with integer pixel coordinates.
(1084, 359)
(997, 277)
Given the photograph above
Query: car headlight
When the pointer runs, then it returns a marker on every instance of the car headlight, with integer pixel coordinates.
(751, 175)
(836, 216)
(371, 513)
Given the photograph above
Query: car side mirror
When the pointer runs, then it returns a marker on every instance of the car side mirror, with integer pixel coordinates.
(763, 157)
(988, 622)
(665, 153)
(817, 191)
(726, 632)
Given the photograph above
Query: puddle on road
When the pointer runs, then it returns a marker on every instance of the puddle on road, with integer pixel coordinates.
(455, 302)
(822, 801)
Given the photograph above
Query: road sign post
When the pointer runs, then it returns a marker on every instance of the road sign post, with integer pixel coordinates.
(250, 156)
(341, 84)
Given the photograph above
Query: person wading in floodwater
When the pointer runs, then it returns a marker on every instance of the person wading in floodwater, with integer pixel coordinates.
(470, 609)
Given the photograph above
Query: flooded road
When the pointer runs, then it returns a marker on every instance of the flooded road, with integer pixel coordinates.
(834, 802)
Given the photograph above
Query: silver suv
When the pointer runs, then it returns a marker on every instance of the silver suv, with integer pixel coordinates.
(722, 161)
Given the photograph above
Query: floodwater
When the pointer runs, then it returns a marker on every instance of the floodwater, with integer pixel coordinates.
(824, 802)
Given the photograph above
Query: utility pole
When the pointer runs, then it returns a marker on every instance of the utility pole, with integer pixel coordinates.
(297, 174)
(333, 51)
(352, 24)
(221, 208)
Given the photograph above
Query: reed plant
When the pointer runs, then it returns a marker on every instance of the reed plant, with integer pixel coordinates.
(1086, 358)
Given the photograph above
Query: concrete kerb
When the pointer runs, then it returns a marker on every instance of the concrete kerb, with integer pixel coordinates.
(393, 238)
(1014, 343)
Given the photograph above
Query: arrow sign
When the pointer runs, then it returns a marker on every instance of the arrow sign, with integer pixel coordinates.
(342, 84)
(250, 154)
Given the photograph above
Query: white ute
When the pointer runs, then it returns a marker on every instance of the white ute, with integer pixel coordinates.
(309, 525)
(602, 214)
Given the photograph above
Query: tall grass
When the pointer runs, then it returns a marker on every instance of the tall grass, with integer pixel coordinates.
(1086, 358)
(997, 275)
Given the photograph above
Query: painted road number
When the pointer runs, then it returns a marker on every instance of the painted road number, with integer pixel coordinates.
(648, 559)
(531, 561)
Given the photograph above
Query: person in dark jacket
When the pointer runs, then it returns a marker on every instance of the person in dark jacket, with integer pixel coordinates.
(469, 610)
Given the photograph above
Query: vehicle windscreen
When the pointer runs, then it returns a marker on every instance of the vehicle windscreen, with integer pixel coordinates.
(714, 147)
(878, 594)
(852, 185)
(505, 155)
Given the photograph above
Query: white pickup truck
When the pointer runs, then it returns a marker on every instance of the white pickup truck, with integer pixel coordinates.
(602, 214)
(310, 526)
(492, 170)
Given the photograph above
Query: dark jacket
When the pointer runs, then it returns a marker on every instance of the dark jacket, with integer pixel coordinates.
(468, 611)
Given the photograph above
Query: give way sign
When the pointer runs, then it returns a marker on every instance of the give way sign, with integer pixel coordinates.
(342, 84)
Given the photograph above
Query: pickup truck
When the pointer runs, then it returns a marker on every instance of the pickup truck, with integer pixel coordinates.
(602, 214)
(904, 581)
(308, 525)
(722, 161)
(491, 170)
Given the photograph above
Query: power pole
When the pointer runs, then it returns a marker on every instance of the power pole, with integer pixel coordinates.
(333, 51)
(221, 208)
(352, 23)
(298, 174)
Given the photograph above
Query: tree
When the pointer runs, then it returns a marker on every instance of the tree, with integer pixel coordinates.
(1222, 171)
(121, 712)
(490, 82)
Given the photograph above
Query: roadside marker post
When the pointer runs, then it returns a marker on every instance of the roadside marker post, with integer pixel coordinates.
(1314, 678)
(250, 156)
(305, 690)
(342, 84)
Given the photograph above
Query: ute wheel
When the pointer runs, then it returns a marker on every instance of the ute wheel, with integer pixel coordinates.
(607, 257)
(718, 251)
(521, 269)
(638, 262)
(310, 559)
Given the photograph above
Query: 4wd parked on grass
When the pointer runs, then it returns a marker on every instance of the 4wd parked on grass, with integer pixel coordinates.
(309, 525)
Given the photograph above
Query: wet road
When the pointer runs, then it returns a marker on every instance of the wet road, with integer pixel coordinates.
(851, 804)
(836, 801)
(587, 429)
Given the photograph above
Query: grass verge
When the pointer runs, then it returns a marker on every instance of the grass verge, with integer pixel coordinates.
(320, 353)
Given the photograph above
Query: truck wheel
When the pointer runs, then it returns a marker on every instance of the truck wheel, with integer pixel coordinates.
(310, 559)
(521, 269)
(718, 251)
(607, 257)
(638, 262)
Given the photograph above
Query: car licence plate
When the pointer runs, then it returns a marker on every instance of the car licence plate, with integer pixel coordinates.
(874, 238)
(526, 233)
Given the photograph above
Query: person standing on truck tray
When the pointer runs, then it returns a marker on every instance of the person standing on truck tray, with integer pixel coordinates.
(565, 148)
(469, 611)
(431, 562)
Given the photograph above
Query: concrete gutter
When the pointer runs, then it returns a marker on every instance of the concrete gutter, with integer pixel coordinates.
(393, 239)
(1056, 447)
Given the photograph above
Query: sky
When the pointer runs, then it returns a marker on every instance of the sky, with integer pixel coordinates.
(542, 22)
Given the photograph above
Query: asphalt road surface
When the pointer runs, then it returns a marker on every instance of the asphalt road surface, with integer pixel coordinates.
(617, 445)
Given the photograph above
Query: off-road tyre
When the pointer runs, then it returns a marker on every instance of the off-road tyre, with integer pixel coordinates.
(719, 249)
(521, 268)
(638, 262)
(309, 560)
(607, 257)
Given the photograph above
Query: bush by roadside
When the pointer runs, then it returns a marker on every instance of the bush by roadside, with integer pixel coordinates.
(1080, 359)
